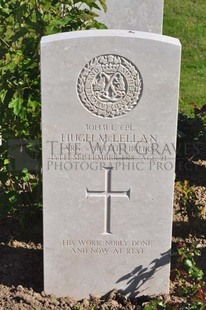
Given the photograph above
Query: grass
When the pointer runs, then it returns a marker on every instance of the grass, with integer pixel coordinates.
(186, 20)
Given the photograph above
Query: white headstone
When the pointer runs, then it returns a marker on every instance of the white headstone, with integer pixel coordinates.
(141, 15)
(109, 120)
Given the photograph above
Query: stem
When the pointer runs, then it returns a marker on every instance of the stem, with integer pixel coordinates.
(7, 45)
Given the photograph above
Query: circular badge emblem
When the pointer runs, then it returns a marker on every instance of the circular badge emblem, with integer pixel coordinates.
(109, 86)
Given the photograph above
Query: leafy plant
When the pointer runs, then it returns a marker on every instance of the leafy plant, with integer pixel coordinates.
(187, 199)
(155, 305)
(192, 306)
(189, 275)
(190, 287)
(22, 24)
(187, 257)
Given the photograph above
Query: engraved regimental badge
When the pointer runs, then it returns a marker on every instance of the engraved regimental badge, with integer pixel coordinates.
(109, 86)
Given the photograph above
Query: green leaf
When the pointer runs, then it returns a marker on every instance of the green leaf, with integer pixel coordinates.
(91, 4)
(188, 263)
(6, 161)
(33, 105)
(16, 105)
(12, 198)
(26, 175)
(97, 25)
(103, 4)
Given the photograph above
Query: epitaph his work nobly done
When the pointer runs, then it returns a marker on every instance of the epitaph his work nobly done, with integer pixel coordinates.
(109, 119)
(141, 15)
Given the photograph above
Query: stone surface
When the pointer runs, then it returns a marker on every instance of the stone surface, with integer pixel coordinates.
(109, 100)
(140, 15)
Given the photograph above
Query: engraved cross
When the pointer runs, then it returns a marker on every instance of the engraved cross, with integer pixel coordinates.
(107, 193)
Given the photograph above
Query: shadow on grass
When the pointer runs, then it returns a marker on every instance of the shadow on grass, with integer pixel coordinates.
(188, 170)
(184, 229)
(21, 262)
(10, 229)
(21, 266)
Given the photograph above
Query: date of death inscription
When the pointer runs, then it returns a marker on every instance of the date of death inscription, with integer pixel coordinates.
(104, 247)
